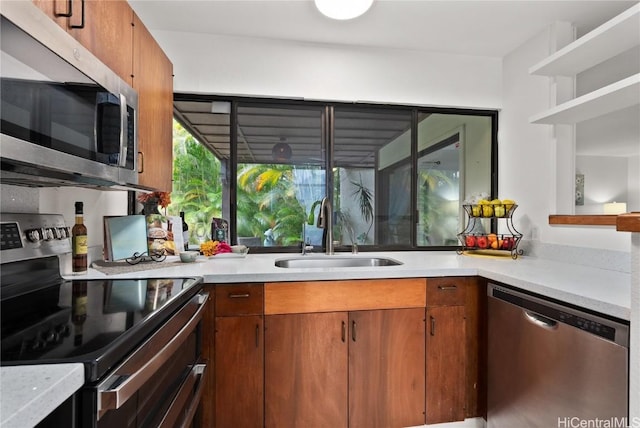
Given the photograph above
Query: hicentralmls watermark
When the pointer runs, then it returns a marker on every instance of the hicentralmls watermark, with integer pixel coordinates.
(615, 422)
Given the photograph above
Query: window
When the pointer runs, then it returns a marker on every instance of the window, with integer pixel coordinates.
(397, 175)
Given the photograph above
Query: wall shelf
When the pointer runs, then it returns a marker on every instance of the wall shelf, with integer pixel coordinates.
(627, 222)
(606, 41)
(616, 96)
(583, 220)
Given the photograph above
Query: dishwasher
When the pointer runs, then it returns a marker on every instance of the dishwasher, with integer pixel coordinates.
(552, 364)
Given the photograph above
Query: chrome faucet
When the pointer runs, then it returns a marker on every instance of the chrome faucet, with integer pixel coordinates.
(325, 221)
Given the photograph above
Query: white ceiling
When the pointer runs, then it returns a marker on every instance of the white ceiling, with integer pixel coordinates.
(477, 27)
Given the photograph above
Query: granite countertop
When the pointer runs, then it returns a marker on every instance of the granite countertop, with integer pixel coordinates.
(30, 393)
(33, 391)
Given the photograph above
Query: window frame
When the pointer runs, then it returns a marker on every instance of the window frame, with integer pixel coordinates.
(327, 128)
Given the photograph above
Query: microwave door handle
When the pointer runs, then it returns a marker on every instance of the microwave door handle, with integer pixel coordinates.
(122, 159)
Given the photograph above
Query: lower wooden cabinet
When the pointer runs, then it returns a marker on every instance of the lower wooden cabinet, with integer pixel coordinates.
(306, 370)
(284, 359)
(239, 371)
(386, 368)
(453, 342)
(446, 364)
(357, 369)
(233, 343)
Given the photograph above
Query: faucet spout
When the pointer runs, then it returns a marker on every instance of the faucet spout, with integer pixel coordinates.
(325, 221)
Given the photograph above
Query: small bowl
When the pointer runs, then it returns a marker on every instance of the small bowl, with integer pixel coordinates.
(188, 256)
(239, 249)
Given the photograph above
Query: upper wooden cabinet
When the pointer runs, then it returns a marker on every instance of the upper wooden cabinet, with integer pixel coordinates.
(116, 36)
(153, 79)
(106, 30)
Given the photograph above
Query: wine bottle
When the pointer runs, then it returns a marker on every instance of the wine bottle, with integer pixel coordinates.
(185, 231)
(79, 246)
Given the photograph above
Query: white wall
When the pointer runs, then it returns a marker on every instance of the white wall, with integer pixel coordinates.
(259, 67)
(527, 155)
(605, 180)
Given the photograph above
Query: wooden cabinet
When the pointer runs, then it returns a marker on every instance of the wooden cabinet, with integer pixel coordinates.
(386, 368)
(306, 370)
(153, 80)
(116, 36)
(106, 29)
(234, 394)
(446, 386)
(358, 366)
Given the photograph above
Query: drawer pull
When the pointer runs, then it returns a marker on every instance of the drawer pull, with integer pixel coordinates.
(344, 331)
(433, 325)
(447, 287)
(239, 296)
(353, 331)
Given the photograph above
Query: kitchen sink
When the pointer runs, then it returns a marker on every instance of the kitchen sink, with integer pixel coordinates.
(335, 261)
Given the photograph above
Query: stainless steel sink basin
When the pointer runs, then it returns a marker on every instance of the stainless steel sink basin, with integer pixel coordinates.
(335, 261)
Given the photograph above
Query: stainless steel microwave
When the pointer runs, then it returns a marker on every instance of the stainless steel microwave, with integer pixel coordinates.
(66, 118)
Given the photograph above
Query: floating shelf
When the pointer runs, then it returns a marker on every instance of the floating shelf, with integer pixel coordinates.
(616, 96)
(608, 40)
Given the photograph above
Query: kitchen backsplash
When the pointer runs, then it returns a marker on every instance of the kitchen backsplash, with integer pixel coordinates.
(619, 261)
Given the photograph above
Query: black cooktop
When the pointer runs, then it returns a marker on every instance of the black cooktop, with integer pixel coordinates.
(96, 322)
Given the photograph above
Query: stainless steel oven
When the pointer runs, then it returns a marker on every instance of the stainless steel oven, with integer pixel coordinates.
(65, 115)
(139, 339)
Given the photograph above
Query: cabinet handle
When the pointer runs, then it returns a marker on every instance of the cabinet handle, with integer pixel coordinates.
(353, 331)
(238, 296)
(141, 163)
(447, 287)
(432, 320)
(82, 16)
(69, 11)
(257, 335)
(344, 331)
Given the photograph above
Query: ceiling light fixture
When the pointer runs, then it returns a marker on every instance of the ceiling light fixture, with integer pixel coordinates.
(343, 9)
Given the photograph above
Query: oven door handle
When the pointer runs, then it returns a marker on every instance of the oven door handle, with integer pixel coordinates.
(112, 399)
(185, 395)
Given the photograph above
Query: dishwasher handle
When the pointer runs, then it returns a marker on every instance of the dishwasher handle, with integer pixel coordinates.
(540, 321)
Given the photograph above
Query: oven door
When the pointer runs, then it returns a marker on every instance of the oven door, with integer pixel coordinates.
(160, 384)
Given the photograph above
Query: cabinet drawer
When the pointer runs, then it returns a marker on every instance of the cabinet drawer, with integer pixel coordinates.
(347, 295)
(446, 291)
(239, 299)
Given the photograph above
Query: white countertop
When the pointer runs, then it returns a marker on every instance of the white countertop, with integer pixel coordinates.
(601, 290)
(32, 391)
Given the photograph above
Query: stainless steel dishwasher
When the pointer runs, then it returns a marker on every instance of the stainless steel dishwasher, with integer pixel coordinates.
(551, 365)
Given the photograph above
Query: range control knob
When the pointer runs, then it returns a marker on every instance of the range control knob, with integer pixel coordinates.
(49, 234)
(63, 232)
(34, 235)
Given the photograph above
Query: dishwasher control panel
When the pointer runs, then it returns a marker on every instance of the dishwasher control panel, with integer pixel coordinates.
(591, 326)
(554, 312)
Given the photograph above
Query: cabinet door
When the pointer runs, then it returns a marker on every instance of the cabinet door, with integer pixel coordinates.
(239, 372)
(446, 365)
(306, 370)
(107, 33)
(153, 80)
(107, 30)
(386, 368)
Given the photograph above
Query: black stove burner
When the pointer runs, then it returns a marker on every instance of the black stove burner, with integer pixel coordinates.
(96, 322)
